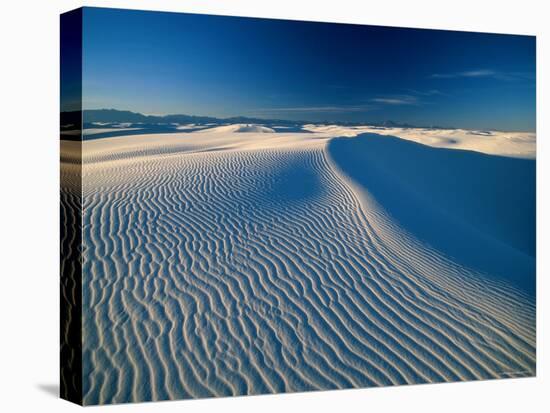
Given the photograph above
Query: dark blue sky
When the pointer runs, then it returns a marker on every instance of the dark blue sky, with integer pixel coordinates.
(161, 63)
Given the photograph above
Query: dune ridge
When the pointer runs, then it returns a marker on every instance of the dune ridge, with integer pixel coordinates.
(220, 263)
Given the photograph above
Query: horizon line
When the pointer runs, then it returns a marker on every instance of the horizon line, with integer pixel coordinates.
(302, 121)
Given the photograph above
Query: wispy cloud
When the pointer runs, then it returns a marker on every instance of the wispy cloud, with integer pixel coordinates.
(375, 103)
(430, 92)
(336, 108)
(469, 73)
(396, 100)
(485, 73)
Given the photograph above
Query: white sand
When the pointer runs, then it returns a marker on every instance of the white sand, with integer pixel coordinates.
(513, 144)
(190, 126)
(225, 263)
(95, 131)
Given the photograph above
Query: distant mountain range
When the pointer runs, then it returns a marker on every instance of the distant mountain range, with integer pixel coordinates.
(73, 119)
(126, 116)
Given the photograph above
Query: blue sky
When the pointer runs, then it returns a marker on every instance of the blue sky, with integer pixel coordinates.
(164, 63)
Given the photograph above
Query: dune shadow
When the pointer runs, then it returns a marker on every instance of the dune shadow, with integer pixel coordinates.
(477, 208)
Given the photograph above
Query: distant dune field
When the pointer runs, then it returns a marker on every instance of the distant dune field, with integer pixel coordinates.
(241, 260)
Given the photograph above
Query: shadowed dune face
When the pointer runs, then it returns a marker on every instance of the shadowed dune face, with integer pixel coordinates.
(477, 208)
(222, 263)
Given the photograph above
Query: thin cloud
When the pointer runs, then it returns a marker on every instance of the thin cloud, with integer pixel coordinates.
(469, 73)
(372, 104)
(361, 108)
(487, 73)
(396, 100)
(430, 92)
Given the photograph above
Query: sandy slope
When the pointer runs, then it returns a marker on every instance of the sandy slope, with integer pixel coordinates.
(224, 263)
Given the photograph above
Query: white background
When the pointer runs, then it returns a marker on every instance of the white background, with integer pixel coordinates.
(29, 223)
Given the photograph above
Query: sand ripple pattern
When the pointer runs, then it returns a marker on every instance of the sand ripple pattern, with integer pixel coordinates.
(221, 273)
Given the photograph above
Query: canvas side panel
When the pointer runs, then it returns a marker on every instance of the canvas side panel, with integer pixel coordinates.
(71, 205)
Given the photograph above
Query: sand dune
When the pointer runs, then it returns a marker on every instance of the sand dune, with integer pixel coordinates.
(511, 144)
(239, 127)
(224, 263)
(95, 131)
(451, 196)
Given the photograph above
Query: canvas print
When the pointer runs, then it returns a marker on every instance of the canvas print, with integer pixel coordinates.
(254, 206)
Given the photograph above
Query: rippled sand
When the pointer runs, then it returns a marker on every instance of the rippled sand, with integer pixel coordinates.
(231, 262)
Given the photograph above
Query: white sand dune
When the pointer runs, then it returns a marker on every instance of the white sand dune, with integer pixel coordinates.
(476, 208)
(190, 126)
(95, 131)
(511, 144)
(224, 263)
(239, 127)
